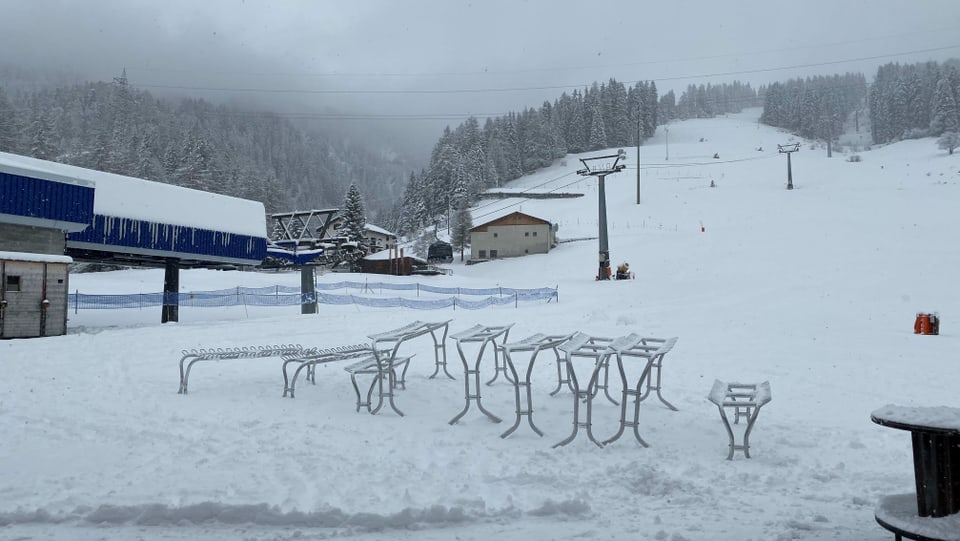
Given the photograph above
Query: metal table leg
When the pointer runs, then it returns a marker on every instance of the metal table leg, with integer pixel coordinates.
(499, 367)
(525, 385)
(473, 373)
(440, 347)
(386, 380)
(635, 392)
(586, 395)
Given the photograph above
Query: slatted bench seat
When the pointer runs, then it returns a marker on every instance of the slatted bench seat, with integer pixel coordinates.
(368, 365)
(193, 356)
(309, 360)
(745, 399)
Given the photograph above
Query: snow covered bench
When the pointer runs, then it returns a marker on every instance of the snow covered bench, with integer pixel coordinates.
(745, 399)
(193, 356)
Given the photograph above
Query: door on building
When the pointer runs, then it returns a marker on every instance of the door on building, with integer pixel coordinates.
(22, 294)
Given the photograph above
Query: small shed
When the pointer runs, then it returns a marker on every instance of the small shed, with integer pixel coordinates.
(390, 262)
(33, 294)
(513, 235)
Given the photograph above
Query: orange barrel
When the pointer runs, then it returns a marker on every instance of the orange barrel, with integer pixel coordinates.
(916, 324)
(924, 323)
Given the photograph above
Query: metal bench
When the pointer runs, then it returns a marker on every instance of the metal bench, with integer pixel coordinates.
(310, 359)
(745, 399)
(193, 356)
(369, 366)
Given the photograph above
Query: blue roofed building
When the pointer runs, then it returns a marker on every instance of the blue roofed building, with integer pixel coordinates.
(52, 210)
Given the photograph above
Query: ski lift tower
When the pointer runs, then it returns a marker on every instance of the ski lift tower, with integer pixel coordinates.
(600, 167)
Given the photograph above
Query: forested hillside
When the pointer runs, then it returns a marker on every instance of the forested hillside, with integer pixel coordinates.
(117, 128)
(469, 159)
(915, 100)
(816, 107)
(905, 101)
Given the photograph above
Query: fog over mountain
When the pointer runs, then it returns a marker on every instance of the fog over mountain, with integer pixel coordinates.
(396, 73)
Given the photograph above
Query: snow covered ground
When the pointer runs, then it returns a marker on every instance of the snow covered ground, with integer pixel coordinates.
(814, 290)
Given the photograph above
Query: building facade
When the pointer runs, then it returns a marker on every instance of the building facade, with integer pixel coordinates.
(514, 235)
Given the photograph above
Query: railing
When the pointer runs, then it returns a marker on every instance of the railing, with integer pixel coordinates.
(290, 296)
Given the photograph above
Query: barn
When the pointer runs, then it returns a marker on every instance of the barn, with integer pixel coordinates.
(515, 234)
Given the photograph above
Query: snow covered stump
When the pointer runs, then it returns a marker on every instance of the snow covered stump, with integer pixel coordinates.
(745, 399)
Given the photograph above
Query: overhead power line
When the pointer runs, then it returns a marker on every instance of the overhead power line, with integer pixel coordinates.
(370, 91)
(336, 74)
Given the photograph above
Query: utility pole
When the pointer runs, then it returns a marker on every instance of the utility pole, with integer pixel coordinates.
(788, 150)
(639, 142)
(666, 130)
(601, 171)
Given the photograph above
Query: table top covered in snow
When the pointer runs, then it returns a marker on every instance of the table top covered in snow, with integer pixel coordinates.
(930, 418)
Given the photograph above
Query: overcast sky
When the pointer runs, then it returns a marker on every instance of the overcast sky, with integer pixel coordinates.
(434, 58)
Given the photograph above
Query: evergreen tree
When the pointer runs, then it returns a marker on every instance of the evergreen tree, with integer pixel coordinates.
(42, 137)
(945, 113)
(949, 141)
(460, 232)
(598, 133)
(8, 124)
(352, 215)
(650, 111)
(668, 106)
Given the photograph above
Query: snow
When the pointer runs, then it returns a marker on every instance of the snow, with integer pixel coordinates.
(377, 229)
(814, 290)
(34, 258)
(127, 197)
(900, 511)
(942, 418)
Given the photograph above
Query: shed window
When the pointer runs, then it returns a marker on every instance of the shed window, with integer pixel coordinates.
(526, 233)
(534, 233)
(13, 283)
(494, 235)
(493, 254)
(483, 254)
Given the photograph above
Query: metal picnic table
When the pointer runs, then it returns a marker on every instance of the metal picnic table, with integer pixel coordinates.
(484, 335)
(386, 355)
(532, 344)
(634, 345)
(600, 350)
(591, 347)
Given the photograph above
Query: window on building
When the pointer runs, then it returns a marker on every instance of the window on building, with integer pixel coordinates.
(493, 254)
(483, 254)
(526, 233)
(494, 235)
(534, 233)
(13, 283)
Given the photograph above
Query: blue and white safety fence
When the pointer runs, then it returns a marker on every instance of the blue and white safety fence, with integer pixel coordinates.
(366, 295)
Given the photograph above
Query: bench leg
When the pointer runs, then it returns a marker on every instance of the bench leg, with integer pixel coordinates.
(356, 389)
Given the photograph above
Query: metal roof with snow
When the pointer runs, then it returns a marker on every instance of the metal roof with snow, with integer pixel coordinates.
(125, 219)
